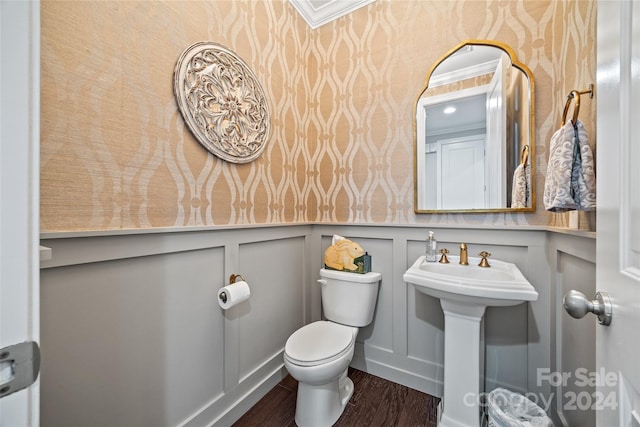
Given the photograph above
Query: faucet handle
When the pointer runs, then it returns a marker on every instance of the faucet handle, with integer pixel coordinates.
(483, 261)
(443, 258)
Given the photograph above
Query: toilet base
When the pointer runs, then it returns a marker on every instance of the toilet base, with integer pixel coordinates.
(322, 405)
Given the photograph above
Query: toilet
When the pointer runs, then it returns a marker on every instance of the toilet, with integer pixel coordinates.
(318, 354)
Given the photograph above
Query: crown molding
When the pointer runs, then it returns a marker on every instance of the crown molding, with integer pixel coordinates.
(320, 12)
(464, 73)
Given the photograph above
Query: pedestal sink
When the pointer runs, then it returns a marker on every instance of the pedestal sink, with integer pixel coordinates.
(464, 292)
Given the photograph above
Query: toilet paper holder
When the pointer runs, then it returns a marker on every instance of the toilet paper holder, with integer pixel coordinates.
(232, 279)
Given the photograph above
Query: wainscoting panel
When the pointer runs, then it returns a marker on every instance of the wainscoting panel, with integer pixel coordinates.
(133, 334)
(427, 320)
(275, 307)
(574, 266)
(121, 339)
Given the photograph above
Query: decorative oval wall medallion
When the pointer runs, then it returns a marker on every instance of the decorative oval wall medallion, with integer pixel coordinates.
(222, 102)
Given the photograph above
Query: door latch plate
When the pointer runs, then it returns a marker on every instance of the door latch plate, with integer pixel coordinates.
(20, 367)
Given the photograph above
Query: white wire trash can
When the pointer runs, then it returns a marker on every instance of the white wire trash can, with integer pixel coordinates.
(508, 409)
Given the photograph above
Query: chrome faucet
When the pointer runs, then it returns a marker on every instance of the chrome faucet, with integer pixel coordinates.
(464, 259)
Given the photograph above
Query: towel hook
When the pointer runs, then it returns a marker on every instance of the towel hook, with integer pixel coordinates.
(524, 155)
(575, 94)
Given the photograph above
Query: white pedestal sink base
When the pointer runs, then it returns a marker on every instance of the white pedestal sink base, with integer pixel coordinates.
(462, 361)
(464, 292)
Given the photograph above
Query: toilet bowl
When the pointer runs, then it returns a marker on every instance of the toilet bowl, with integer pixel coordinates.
(318, 354)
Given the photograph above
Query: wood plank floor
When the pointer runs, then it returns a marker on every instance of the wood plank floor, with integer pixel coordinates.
(375, 402)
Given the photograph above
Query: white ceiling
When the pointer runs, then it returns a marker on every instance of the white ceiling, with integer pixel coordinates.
(471, 113)
(320, 12)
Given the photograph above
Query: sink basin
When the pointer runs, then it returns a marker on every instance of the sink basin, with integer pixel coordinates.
(502, 284)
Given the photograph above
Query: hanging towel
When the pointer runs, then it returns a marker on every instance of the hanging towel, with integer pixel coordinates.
(570, 182)
(557, 186)
(520, 191)
(583, 179)
(521, 184)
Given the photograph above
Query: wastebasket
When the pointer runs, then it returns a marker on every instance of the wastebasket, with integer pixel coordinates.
(509, 409)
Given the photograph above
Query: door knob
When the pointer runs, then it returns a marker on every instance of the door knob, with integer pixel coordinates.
(577, 305)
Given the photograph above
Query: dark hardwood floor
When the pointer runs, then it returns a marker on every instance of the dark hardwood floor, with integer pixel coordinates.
(375, 402)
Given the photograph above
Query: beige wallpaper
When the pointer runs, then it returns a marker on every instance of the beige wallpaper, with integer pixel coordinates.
(115, 152)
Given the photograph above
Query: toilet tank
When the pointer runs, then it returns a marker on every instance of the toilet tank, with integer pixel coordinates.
(349, 298)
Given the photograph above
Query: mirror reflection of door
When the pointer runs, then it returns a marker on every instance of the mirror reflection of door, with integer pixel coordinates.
(461, 174)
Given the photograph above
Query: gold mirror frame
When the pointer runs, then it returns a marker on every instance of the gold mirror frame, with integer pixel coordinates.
(531, 150)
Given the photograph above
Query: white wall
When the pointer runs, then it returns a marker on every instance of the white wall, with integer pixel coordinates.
(132, 333)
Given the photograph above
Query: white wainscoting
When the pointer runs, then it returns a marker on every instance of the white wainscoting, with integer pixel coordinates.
(132, 333)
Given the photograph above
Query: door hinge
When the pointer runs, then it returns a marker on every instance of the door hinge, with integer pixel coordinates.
(19, 367)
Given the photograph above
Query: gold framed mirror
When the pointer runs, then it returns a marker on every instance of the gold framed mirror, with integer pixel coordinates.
(474, 133)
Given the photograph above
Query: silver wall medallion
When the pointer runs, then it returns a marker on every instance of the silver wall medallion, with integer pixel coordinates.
(222, 102)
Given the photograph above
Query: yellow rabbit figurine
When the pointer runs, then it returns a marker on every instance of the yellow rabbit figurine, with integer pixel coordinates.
(341, 254)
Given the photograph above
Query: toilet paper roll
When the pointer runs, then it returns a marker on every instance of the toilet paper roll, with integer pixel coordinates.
(235, 293)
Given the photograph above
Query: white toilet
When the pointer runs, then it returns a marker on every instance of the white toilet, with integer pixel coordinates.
(318, 354)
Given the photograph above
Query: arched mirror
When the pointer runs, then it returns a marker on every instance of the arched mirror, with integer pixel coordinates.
(474, 132)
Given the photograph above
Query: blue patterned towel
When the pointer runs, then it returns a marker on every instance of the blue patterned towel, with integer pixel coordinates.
(571, 181)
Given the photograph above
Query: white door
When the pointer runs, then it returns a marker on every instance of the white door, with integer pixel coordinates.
(460, 175)
(618, 223)
(19, 202)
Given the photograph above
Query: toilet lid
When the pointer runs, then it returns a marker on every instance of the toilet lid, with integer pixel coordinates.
(319, 342)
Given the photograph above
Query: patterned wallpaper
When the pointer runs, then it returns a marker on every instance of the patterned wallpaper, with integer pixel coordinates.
(115, 152)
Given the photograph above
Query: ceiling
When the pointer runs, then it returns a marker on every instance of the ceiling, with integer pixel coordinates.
(320, 12)
(470, 113)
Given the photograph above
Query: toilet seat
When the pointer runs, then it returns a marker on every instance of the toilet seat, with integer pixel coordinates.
(319, 342)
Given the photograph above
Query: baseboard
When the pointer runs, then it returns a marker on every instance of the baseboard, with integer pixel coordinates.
(245, 402)
(399, 376)
(229, 407)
